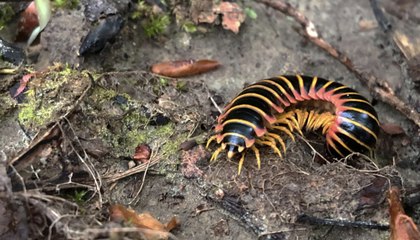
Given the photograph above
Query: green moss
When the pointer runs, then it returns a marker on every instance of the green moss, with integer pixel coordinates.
(48, 96)
(33, 112)
(6, 14)
(172, 146)
(182, 86)
(142, 9)
(134, 131)
(101, 95)
(156, 25)
(68, 4)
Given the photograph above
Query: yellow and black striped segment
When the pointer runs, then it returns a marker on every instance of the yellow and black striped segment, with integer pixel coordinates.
(266, 109)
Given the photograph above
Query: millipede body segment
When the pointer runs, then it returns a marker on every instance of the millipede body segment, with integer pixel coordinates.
(265, 111)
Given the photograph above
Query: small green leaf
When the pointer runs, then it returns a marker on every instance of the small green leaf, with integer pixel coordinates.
(163, 81)
(251, 13)
(189, 27)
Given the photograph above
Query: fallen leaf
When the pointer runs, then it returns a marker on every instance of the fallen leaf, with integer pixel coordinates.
(373, 194)
(392, 128)
(233, 15)
(142, 153)
(22, 85)
(184, 68)
(402, 226)
(144, 221)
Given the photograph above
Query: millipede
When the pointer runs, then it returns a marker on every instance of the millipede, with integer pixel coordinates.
(270, 108)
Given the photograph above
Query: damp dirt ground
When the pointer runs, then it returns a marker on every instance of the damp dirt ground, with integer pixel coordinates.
(74, 136)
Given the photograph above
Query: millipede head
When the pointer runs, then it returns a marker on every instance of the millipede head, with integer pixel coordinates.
(233, 143)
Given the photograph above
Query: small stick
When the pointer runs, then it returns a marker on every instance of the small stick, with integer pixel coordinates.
(341, 223)
(136, 196)
(215, 104)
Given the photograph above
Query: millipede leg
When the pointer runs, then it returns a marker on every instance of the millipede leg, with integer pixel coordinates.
(257, 156)
(272, 145)
(279, 139)
(241, 162)
(211, 139)
(285, 130)
(297, 127)
(216, 153)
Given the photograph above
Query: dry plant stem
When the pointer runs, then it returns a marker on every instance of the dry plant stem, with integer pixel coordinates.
(101, 231)
(136, 196)
(97, 176)
(265, 234)
(89, 166)
(54, 223)
(379, 88)
(137, 169)
(215, 104)
(136, 199)
(312, 148)
(52, 128)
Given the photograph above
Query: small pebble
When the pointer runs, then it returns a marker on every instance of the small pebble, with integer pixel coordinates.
(219, 193)
(131, 164)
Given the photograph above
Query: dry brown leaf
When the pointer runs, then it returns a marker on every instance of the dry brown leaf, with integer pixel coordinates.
(409, 45)
(184, 68)
(22, 85)
(392, 128)
(145, 221)
(142, 153)
(402, 226)
(233, 15)
(207, 17)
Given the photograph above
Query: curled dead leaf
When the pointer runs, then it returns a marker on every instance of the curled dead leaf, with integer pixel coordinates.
(233, 16)
(184, 68)
(146, 221)
(142, 153)
(22, 85)
(402, 226)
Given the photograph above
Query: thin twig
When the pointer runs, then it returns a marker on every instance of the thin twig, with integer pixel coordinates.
(137, 169)
(215, 104)
(88, 165)
(97, 175)
(50, 228)
(135, 198)
(316, 153)
(141, 231)
(379, 88)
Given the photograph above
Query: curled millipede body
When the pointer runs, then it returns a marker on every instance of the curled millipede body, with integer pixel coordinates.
(265, 110)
